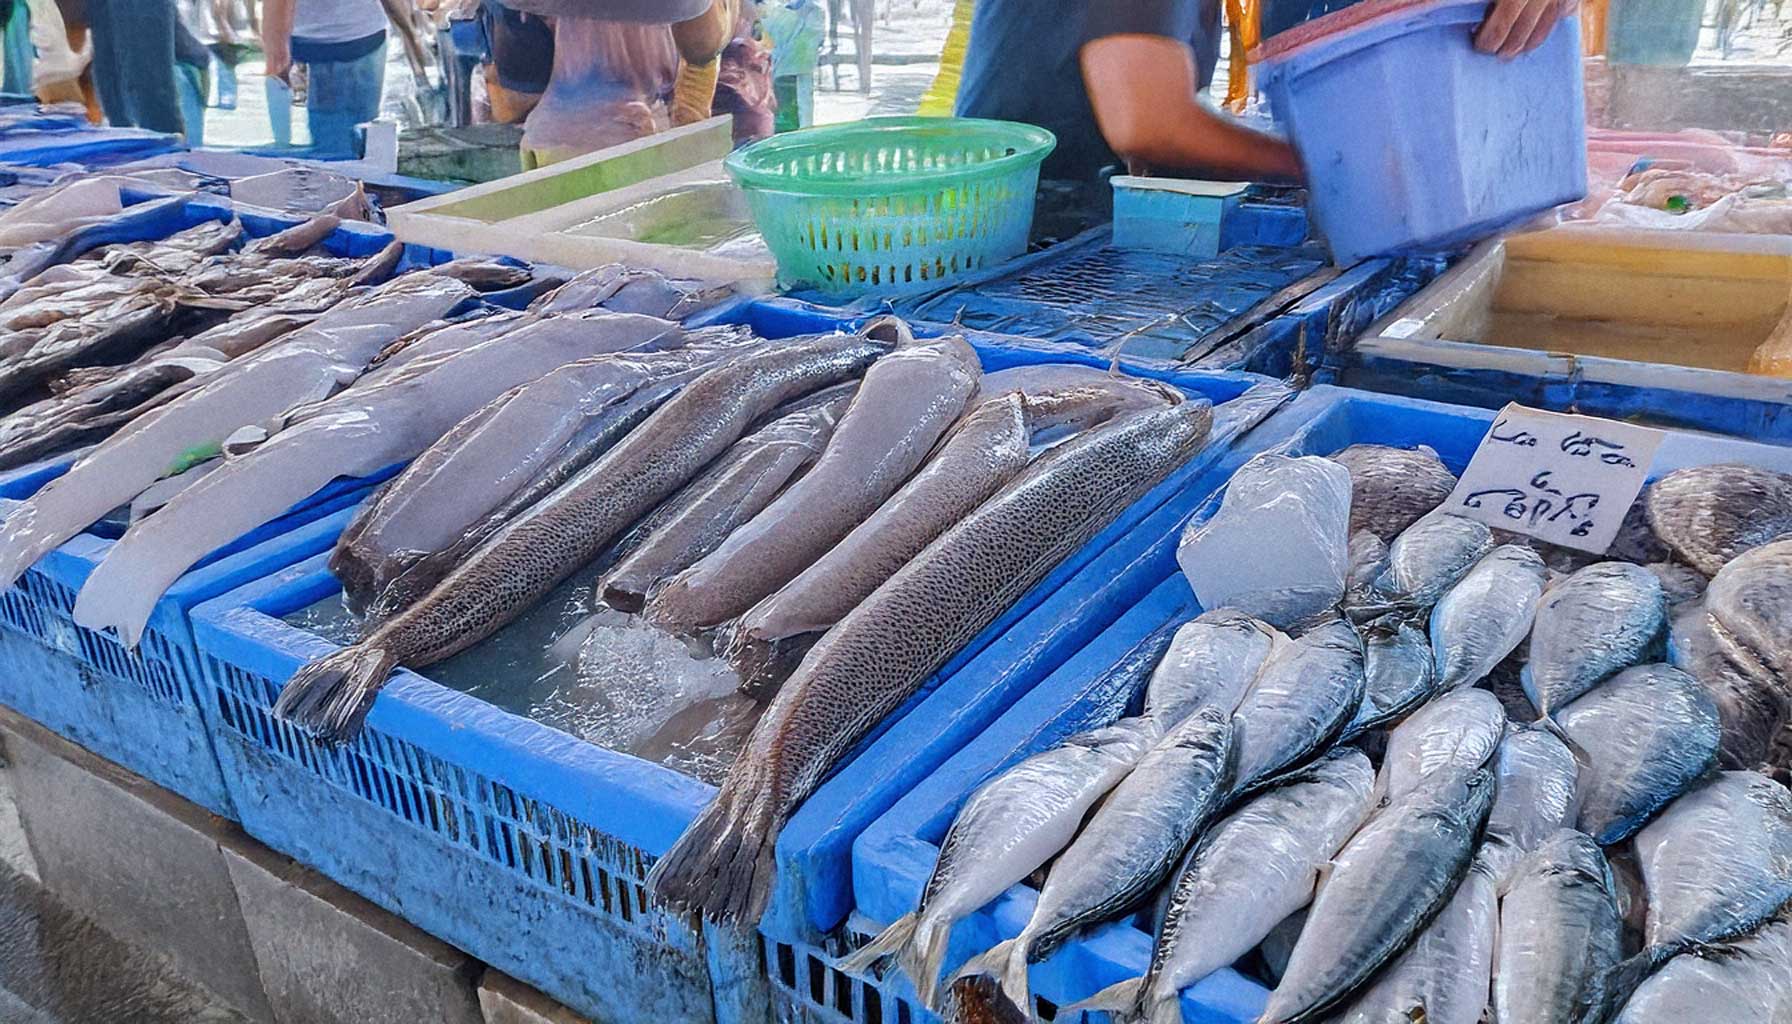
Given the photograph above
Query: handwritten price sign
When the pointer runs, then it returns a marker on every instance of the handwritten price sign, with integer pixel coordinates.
(1563, 479)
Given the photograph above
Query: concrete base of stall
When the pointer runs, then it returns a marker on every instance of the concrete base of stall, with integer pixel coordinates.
(179, 916)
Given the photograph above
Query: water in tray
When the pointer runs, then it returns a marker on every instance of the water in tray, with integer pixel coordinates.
(711, 216)
(605, 677)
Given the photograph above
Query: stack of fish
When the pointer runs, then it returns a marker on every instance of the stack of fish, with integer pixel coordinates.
(1396, 843)
(221, 432)
(840, 512)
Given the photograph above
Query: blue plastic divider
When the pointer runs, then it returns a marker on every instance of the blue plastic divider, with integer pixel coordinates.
(137, 707)
(1736, 404)
(530, 848)
(893, 856)
(87, 145)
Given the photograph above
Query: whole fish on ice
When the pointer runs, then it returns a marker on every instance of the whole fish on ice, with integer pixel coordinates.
(906, 404)
(540, 548)
(1446, 975)
(1559, 931)
(363, 431)
(1212, 662)
(313, 361)
(1398, 675)
(1647, 734)
(1751, 709)
(1590, 625)
(1249, 872)
(1454, 735)
(738, 487)
(1304, 695)
(1425, 561)
(1743, 979)
(1130, 845)
(1391, 879)
(989, 447)
(1486, 615)
(1009, 828)
(1538, 796)
(882, 652)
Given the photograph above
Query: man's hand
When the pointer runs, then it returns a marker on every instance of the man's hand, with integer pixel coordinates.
(1514, 27)
(279, 61)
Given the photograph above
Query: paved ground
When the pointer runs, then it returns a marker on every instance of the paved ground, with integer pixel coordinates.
(57, 968)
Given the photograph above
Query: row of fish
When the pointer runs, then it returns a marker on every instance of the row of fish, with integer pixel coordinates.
(229, 428)
(843, 512)
(1350, 798)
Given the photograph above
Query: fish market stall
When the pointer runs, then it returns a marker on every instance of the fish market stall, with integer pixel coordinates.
(1681, 329)
(481, 783)
(1434, 690)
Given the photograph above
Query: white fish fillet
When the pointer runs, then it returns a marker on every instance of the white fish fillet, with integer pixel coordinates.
(362, 430)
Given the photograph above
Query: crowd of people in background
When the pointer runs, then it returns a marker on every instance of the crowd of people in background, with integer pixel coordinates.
(577, 82)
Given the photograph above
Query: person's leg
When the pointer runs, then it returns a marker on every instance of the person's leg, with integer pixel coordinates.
(344, 94)
(135, 77)
(18, 51)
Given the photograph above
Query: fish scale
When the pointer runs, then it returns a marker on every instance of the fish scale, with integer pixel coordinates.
(887, 647)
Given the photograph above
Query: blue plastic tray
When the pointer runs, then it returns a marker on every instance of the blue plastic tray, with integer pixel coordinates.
(1736, 404)
(530, 848)
(1086, 292)
(47, 144)
(137, 707)
(894, 855)
(1412, 141)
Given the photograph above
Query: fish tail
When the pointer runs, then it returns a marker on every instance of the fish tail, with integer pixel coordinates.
(1550, 725)
(724, 864)
(1610, 990)
(1122, 1003)
(923, 957)
(330, 697)
(889, 942)
(1007, 963)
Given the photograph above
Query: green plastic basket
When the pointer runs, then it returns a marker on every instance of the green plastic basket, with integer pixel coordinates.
(892, 204)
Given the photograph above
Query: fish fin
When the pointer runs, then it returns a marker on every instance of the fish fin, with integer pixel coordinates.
(889, 942)
(724, 864)
(330, 697)
(763, 665)
(1007, 963)
(1121, 1002)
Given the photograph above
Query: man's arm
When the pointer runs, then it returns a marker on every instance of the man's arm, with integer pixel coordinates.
(1142, 88)
(276, 36)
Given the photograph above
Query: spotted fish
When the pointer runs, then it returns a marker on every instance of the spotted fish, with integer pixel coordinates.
(1390, 488)
(877, 656)
(535, 551)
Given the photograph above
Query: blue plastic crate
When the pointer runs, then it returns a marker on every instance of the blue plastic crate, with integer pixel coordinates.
(92, 147)
(529, 848)
(1415, 142)
(1688, 398)
(136, 707)
(893, 857)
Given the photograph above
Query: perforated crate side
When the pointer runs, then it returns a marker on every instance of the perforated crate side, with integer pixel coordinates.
(808, 987)
(553, 850)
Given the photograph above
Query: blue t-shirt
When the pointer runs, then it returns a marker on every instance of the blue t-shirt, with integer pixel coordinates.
(1022, 64)
(1023, 61)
